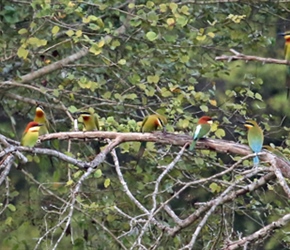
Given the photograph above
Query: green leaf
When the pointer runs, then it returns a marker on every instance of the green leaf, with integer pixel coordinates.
(69, 183)
(22, 53)
(107, 183)
(98, 173)
(204, 108)
(151, 36)
(258, 96)
(215, 188)
(182, 20)
(165, 92)
(220, 133)
(11, 207)
(95, 49)
(22, 31)
(163, 7)
(170, 21)
(8, 221)
(150, 4)
(55, 30)
(153, 79)
(184, 10)
(70, 33)
(79, 33)
(72, 109)
(37, 42)
(173, 7)
(122, 62)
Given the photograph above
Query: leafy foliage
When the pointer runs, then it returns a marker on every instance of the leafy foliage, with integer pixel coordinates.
(125, 61)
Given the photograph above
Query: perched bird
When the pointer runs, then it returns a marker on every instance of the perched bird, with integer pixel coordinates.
(90, 120)
(151, 123)
(255, 138)
(203, 127)
(40, 118)
(30, 134)
(286, 36)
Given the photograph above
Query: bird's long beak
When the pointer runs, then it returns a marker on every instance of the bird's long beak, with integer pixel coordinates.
(281, 34)
(78, 113)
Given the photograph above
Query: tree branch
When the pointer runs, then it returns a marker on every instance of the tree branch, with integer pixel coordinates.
(240, 56)
(217, 145)
(262, 233)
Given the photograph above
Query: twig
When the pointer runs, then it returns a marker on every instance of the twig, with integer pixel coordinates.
(243, 57)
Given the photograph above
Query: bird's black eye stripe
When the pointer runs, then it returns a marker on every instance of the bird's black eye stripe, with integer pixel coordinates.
(161, 122)
(249, 124)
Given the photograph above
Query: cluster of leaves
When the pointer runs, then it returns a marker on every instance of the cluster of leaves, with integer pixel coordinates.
(138, 57)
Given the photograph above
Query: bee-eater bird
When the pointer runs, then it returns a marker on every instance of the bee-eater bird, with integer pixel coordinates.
(286, 36)
(255, 138)
(30, 134)
(151, 123)
(203, 127)
(40, 118)
(90, 120)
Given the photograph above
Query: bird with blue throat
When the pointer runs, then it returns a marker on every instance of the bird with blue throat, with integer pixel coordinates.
(151, 123)
(286, 36)
(40, 117)
(255, 139)
(202, 128)
(30, 134)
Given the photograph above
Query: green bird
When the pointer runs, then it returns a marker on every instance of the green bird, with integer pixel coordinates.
(255, 138)
(151, 123)
(30, 134)
(202, 128)
(90, 120)
(286, 36)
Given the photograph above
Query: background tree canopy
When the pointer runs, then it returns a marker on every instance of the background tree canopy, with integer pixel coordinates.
(125, 61)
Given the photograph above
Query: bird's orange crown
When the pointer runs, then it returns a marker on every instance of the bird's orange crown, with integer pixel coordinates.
(85, 115)
(39, 111)
(204, 120)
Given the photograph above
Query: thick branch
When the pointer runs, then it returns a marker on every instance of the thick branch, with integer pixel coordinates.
(173, 139)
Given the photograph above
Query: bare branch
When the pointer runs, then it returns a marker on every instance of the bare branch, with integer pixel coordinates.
(196, 215)
(153, 211)
(239, 56)
(260, 234)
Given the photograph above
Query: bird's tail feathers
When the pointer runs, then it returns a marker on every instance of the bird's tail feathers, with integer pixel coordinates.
(141, 151)
(192, 145)
(288, 82)
(256, 161)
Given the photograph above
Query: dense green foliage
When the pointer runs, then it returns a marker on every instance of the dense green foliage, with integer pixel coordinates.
(139, 57)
